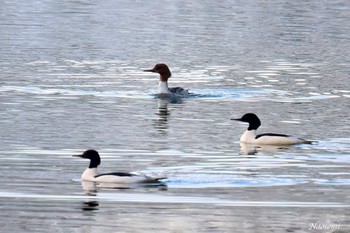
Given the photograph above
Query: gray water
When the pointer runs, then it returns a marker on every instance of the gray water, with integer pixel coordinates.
(71, 79)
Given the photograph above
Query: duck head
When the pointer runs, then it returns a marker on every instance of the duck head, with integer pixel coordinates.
(93, 155)
(252, 119)
(163, 70)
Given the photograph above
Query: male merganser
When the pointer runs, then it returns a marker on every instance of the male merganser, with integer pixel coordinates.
(249, 136)
(164, 72)
(90, 174)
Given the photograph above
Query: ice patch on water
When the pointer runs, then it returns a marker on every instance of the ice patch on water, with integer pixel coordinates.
(221, 94)
(223, 180)
(332, 145)
(74, 92)
(179, 199)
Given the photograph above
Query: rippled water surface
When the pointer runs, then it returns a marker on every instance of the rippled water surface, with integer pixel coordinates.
(71, 79)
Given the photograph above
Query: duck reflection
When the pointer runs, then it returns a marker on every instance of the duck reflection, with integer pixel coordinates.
(251, 149)
(90, 205)
(163, 113)
(161, 123)
(91, 188)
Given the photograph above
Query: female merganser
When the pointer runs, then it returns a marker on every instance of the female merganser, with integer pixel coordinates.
(90, 174)
(249, 136)
(164, 72)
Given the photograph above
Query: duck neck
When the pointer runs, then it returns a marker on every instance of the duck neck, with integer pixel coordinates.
(248, 136)
(163, 87)
(95, 162)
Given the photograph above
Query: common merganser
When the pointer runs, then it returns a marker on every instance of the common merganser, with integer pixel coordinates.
(90, 174)
(249, 136)
(164, 72)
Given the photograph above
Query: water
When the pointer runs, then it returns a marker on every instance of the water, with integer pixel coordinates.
(71, 79)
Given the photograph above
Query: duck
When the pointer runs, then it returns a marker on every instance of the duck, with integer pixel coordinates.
(165, 73)
(250, 136)
(91, 174)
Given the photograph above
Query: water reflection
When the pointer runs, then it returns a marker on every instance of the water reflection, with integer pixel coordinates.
(161, 123)
(251, 149)
(90, 205)
(171, 98)
(163, 113)
(89, 187)
(92, 188)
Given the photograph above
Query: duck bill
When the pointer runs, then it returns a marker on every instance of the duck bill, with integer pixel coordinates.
(80, 156)
(150, 70)
(236, 119)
